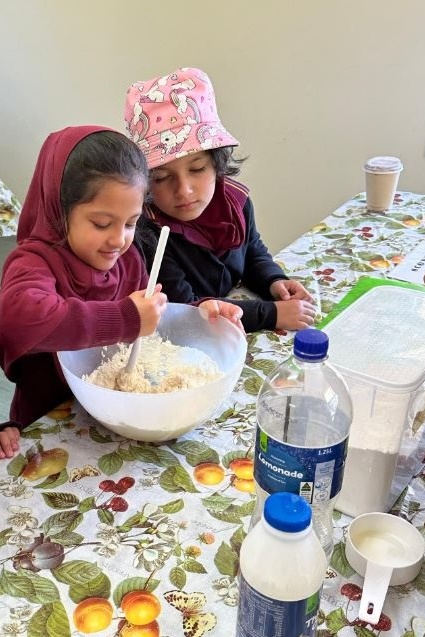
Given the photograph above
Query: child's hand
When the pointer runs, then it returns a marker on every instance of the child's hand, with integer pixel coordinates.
(9, 442)
(232, 312)
(294, 314)
(285, 289)
(150, 310)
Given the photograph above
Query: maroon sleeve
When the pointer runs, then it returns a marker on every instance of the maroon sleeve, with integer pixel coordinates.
(35, 318)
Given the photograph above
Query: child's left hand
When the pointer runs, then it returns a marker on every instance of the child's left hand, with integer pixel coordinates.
(285, 289)
(215, 308)
(9, 442)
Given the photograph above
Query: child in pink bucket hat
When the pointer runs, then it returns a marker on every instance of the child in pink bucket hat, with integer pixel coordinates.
(213, 243)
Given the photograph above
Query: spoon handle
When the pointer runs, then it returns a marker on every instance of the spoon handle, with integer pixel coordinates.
(135, 350)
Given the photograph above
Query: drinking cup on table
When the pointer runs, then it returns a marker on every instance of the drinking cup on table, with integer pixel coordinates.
(382, 174)
(387, 551)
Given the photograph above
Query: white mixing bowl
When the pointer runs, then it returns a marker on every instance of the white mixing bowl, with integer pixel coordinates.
(160, 417)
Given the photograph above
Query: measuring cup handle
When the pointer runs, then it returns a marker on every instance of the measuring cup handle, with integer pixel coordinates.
(376, 582)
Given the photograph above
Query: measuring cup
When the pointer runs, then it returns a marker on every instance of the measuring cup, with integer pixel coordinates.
(387, 551)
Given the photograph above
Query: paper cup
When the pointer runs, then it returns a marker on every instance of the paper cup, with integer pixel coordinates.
(382, 174)
(387, 551)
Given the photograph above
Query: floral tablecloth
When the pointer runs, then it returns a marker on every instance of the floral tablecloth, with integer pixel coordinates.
(10, 209)
(105, 535)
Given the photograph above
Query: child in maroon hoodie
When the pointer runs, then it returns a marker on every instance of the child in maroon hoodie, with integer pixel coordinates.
(75, 280)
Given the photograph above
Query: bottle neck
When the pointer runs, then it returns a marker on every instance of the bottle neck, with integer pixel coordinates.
(303, 361)
(286, 535)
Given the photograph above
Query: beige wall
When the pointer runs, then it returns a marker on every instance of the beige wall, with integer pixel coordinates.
(310, 87)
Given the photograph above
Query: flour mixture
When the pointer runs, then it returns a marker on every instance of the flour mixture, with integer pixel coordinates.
(161, 367)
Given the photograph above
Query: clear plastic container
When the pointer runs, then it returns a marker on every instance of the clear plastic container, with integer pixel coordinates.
(303, 421)
(378, 344)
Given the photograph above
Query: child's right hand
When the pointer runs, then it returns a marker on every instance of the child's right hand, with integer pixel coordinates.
(150, 310)
(294, 314)
(9, 442)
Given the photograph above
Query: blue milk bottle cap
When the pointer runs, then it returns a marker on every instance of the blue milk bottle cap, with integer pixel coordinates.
(287, 512)
(311, 344)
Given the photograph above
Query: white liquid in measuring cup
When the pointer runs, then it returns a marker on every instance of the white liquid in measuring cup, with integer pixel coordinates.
(384, 548)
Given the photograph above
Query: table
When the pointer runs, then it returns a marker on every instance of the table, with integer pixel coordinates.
(111, 515)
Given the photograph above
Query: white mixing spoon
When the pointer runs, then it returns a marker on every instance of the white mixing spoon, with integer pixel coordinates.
(135, 350)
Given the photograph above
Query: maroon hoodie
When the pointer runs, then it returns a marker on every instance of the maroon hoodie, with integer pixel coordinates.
(50, 300)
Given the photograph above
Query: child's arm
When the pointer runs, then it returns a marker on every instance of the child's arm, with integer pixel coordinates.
(44, 321)
(113, 321)
(260, 270)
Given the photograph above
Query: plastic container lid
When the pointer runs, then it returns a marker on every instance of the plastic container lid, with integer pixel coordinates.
(287, 512)
(383, 165)
(380, 338)
(311, 344)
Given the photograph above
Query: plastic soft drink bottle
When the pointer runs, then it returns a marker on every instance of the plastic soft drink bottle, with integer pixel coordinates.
(304, 413)
(282, 568)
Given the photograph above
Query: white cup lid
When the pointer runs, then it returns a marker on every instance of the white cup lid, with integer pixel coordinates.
(383, 165)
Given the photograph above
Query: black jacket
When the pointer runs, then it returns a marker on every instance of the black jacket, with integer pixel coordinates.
(189, 272)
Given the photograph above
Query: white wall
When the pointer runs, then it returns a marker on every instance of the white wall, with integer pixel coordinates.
(310, 87)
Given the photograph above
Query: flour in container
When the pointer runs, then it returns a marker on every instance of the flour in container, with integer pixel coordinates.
(161, 367)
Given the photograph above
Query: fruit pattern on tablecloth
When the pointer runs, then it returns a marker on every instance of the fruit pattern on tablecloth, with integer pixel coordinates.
(105, 535)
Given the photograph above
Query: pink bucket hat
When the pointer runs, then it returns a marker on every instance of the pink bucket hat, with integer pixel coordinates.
(174, 115)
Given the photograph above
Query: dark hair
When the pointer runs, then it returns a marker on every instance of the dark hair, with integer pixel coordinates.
(100, 157)
(225, 165)
(146, 240)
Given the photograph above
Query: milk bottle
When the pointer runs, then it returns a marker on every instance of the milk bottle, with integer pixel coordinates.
(282, 567)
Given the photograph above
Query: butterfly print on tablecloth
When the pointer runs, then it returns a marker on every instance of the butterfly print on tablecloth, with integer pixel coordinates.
(196, 622)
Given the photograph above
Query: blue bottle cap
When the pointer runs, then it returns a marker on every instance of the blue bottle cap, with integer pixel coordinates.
(287, 512)
(311, 344)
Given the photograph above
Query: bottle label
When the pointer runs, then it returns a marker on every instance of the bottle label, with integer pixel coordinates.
(314, 473)
(261, 616)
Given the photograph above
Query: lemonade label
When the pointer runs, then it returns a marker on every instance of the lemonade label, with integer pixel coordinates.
(261, 616)
(314, 473)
